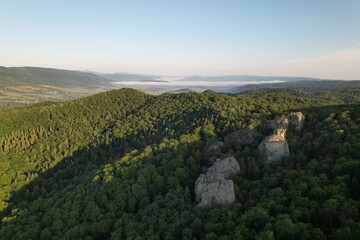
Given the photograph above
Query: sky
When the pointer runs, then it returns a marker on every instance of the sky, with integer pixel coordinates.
(311, 38)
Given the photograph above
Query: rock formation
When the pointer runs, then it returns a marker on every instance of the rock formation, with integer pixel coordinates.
(243, 136)
(283, 122)
(297, 119)
(274, 125)
(213, 187)
(270, 126)
(219, 192)
(274, 147)
(215, 148)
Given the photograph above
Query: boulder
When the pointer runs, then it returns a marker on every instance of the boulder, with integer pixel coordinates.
(213, 187)
(224, 168)
(274, 147)
(218, 192)
(297, 119)
(242, 137)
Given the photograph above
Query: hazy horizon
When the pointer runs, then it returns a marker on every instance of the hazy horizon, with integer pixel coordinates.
(316, 39)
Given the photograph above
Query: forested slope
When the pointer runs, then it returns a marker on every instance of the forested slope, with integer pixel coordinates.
(22, 86)
(122, 165)
(33, 76)
(308, 86)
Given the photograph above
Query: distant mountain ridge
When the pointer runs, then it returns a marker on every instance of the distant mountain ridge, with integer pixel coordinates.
(95, 81)
(120, 77)
(246, 78)
(311, 86)
(34, 76)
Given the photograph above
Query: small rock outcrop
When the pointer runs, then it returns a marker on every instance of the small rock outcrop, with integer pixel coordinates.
(213, 188)
(283, 123)
(270, 126)
(243, 136)
(215, 148)
(297, 119)
(274, 147)
(274, 125)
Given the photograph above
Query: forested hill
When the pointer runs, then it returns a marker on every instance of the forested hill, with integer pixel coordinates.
(307, 86)
(22, 86)
(122, 165)
(34, 76)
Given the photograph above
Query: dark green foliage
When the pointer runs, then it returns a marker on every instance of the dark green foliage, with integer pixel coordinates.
(122, 165)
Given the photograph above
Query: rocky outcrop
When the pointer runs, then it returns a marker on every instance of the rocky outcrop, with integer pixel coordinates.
(270, 126)
(297, 119)
(214, 148)
(283, 122)
(219, 192)
(213, 187)
(243, 136)
(274, 147)
(274, 125)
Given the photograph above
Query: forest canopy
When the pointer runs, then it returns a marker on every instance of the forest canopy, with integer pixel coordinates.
(122, 165)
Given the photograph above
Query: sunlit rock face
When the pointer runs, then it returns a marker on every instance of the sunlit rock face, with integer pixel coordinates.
(274, 125)
(213, 188)
(274, 147)
(297, 119)
(284, 123)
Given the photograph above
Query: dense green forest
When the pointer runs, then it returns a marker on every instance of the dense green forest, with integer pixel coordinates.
(122, 165)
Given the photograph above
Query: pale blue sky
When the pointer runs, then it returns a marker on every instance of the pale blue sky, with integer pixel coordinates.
(319, 38)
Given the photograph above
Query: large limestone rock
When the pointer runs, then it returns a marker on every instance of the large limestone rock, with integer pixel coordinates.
(218, 192)
(213, 187)
(243, 136)
(274, 147)
(224, 168)
(297, 119)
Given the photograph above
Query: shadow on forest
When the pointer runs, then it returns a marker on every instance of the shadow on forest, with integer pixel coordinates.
(78, 168)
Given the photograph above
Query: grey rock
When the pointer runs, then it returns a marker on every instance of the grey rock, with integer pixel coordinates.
(224, 168)
(213, 187)
(274, 147)
(218, 192)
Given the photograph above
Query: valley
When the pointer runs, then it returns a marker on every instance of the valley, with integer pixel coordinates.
(23, 86)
